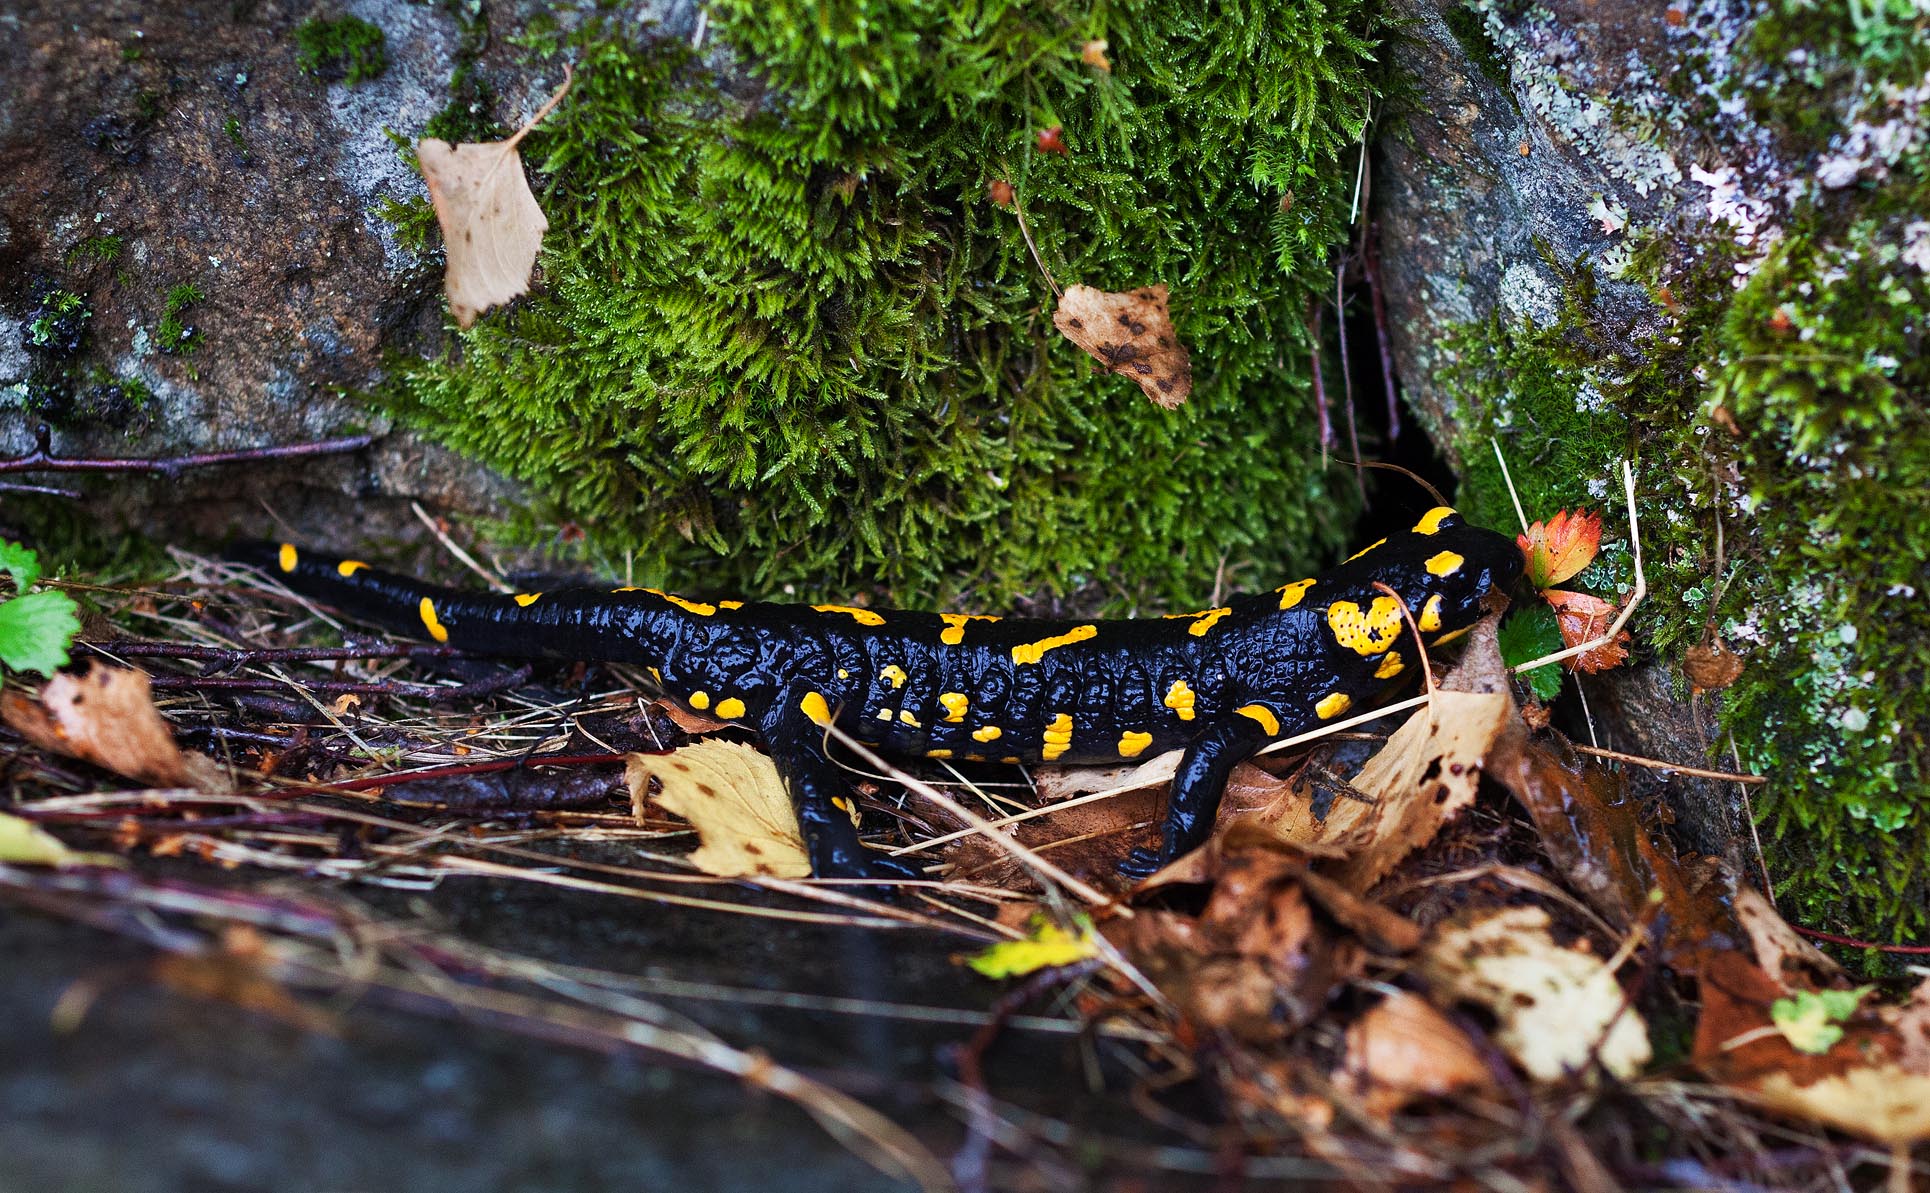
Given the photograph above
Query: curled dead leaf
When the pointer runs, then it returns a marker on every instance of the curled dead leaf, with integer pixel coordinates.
(106, 717)
(1558, 1009)
(732, 795)
(1584, 618)
(689, 722)
(1130, 333)
(1711, 666)
(1403, 1051)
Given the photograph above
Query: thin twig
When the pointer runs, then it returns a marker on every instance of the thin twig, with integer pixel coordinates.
(469, 561)
(1510, 482)
(1695, 772)
(42, 459)
(1018, 209)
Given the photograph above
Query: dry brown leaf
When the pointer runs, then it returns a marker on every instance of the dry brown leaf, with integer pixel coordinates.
(689, 722)
(1402, 1051)
(1711, 666)
(1421, 779)
(1131, 333)
(107, 718)
(1093, 54)
(1874, 1082)
(492, 228)
(491, 225)
(732, 795)
(1558, 1009)
(1056, 783)
(1583, 618)
(1782, 952)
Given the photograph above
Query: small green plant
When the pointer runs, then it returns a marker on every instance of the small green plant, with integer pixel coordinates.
(1808, 1020)
(348, 49)
(58, 322)
(35, 627)
(174, 335)
(96, 250)
(1530, 634)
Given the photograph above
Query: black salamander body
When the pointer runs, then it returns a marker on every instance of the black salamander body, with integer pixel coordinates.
(1220, 683)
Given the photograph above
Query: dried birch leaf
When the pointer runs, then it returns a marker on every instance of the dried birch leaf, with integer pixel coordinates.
(1132, 334)
(107, 718)
(1559, 1010)
(491, 226)
(732, 795)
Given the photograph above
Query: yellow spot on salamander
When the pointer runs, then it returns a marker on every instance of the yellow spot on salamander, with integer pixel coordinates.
(844, 804)
(904, 715)
(1203, 621)
(698, 607)
(1431, 521)
(884, 714)
(1058, 737)
(1290, 594)
(730, 709)
(1263, 716)
(348, 567)
(843, 674)
(1367, 633)
(954, 632)
(288, 557)
(938, 753)
(1179, 698)
(955, 705)
(814, 707)
(730, 604)
(1445, 564)
(656, 675)
(700, 700)
(1365, 550)
(1032, 652)
(1333, 704)
(1132, 745)
(630, 588)
(1389, 666)
(861, 616)
(893, 674)
(1430, 618)
(1010, 759)
(988, 733)
(427, 611)
(526, 599)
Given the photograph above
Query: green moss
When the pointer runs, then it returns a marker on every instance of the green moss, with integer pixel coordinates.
(1791, 410)
(784, 340)
(174, 335)
(348, 49)
(58, 322)
(95, 250)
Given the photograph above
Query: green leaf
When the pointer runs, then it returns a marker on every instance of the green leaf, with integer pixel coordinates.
(35, 630)
(1530, 634)
(22, 842)
(21, 562)
(1049, 945)
(1808, 1019)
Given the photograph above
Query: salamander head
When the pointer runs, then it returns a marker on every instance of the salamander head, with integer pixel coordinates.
(1443, 568)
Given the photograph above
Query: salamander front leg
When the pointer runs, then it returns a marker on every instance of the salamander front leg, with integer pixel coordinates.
(822, 796)
(1197, 788)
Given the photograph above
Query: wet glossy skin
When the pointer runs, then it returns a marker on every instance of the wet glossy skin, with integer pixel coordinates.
(1220, 683)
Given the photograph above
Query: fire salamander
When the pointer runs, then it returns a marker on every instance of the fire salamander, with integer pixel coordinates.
(1219, 684)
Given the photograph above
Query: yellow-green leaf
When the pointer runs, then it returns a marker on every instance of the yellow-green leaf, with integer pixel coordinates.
(24, 843)
(1050, 945)
(1808, 1019)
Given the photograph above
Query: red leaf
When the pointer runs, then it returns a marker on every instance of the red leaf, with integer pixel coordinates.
(1560, 547)
(1053, 140)
(1584, 618)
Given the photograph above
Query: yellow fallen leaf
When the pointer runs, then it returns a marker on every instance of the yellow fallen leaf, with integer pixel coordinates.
(492, 228)
(1558, 1009)
(1050, 945)
(1132, 334)
(732, 795)
(107, 717)
(24, 843)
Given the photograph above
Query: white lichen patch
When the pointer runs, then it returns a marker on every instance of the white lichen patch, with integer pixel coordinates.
(1877, 140)
(1528, 295)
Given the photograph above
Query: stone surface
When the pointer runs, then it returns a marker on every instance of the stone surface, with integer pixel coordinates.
(189, 133)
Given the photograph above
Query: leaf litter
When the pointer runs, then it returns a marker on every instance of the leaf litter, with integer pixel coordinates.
(1443, 962)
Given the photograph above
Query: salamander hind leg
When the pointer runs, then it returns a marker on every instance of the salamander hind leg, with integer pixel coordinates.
(1197, 788)
(826, 812)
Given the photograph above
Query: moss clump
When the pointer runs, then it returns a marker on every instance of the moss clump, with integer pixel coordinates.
(785, 339)
(344, 49)
(174, 335)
